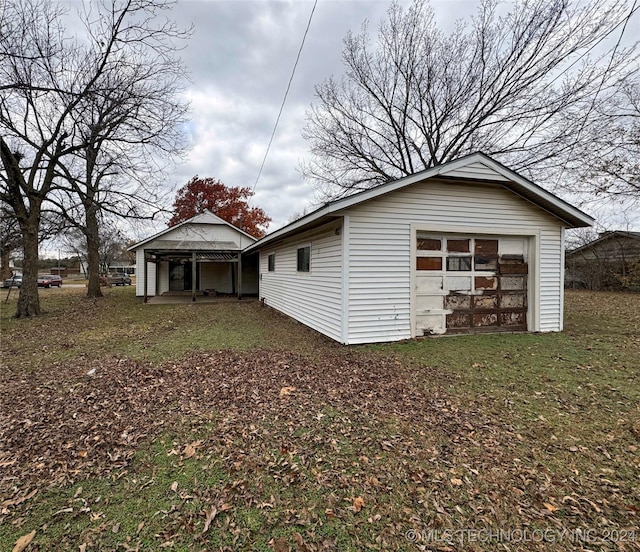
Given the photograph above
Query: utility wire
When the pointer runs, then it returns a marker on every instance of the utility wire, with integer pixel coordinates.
(623, 22)
(595, 96)
(295, 65)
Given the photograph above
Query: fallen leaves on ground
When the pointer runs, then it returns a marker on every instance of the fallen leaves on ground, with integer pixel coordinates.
(353, 425)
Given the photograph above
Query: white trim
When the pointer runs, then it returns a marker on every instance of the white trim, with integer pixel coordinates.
(345, 279)
(534, 298)
(562, 263)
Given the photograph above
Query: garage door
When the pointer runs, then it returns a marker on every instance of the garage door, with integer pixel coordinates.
(467, 284)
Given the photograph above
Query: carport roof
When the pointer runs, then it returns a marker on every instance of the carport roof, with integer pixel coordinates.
(189, 245)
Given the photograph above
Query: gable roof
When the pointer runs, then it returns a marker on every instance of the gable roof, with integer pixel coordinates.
(605, 236)
(206, 217)
(476, 166)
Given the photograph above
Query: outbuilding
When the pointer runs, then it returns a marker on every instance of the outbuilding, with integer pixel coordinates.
(200, 255)
(467, 246)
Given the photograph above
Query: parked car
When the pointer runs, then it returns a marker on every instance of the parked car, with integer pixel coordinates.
(120, 279)
(48, 280)
(13, 281)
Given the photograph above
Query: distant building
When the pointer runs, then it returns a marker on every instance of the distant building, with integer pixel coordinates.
(612, 261)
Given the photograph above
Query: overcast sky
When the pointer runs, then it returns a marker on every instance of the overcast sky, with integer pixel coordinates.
(240, 57)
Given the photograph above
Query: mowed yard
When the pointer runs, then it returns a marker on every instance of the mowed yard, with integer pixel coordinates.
(231, 427)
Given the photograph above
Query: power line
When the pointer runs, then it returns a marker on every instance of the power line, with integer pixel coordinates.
(284, 99)
(595, 96)
(603, 38)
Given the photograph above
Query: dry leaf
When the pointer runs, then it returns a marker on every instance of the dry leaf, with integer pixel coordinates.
(551, 507)
(140, 526)
(83, 548)
(174, 486)
(24, 541)
(210, 516)
(280, 545)
(455, 481)
(82, 453)
(287, 391)
(358, 504)
(190, 449)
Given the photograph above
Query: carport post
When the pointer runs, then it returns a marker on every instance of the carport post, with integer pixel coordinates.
(193, 276)
(144, 254)
(239, 275)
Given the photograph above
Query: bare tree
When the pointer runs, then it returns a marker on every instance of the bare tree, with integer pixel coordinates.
(118, 170)
(112, 245)
(47, 79)
(504, 83)
(606, 162)
(10, 239)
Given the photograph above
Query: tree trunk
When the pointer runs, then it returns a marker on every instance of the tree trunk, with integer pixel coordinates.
(29, 300)
(93, 255)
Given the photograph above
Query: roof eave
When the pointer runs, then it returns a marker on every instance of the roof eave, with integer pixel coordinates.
(560, 209)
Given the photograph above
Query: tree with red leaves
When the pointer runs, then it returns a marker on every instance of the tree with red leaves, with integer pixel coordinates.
(230, 204)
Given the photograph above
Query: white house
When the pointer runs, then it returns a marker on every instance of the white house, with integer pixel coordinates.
(467, 246)
(200, 255)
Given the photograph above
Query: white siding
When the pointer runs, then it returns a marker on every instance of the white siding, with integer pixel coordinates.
(216, 276)
(151, 275)
(315, 297)
(551, 279)
(380, 250)
(475, 171)
(163, 277)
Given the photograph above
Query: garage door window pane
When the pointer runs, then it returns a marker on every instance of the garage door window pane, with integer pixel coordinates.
(458, 246)
(489, 247)
(486, 263)
(429, 244)
(429, 263)
(459, 264)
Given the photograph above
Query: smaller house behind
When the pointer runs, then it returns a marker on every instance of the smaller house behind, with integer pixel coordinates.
(200, 255)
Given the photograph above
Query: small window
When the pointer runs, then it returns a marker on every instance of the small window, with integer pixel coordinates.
(271, 262)
(304, 259)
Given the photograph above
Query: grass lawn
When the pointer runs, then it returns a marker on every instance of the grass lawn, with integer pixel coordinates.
(126, 426)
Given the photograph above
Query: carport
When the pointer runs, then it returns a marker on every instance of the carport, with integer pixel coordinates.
(198, 257)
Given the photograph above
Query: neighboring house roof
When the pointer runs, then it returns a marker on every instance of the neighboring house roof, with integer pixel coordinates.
(604, 237)
(469, 167)
(206, 217)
